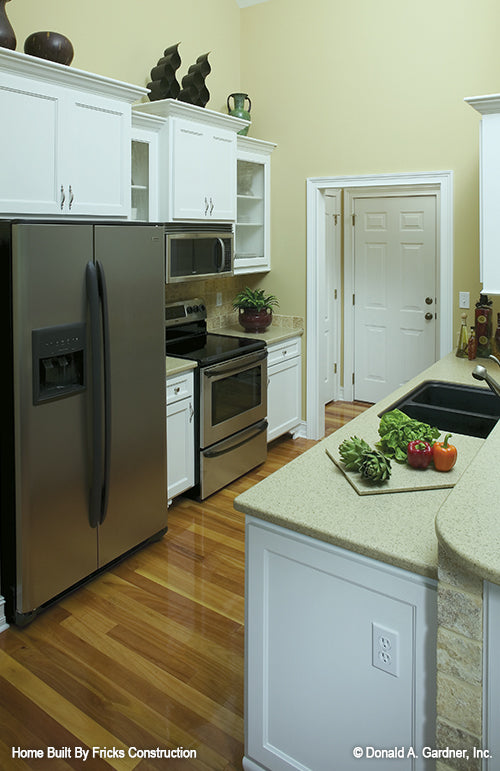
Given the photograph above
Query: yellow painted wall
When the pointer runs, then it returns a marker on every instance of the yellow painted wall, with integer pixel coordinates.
(124, 40)
(371, 86)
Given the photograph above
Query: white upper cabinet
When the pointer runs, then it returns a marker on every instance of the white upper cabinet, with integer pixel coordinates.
(253, 221)
(66, 147)
(197, 152)
(489, 164)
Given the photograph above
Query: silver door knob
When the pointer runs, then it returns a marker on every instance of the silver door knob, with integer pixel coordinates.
(428, 316)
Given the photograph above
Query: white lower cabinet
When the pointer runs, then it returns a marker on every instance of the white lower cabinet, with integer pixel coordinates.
(322, 625)
(284, 389)
(180, 434)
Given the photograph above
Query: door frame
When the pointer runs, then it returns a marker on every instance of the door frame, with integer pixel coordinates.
(439, 182)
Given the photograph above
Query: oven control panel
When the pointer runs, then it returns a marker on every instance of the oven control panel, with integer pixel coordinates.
(185, 310)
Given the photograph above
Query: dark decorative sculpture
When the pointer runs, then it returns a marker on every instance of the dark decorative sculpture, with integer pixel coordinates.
(7, 35)
(164, 84)
(194, 90)
(50, 45)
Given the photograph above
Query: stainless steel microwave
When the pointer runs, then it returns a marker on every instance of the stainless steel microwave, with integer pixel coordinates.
(198, 250)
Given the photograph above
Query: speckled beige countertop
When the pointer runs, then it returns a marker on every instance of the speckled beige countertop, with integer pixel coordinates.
(310, 495)
(273, 334)
(175, 366)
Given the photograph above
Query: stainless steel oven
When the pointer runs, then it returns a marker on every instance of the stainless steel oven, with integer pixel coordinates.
(230, 392)
(233, 396)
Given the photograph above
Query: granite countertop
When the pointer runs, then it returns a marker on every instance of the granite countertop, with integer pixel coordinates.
(311, 495)
(273, 334)
(175, 366)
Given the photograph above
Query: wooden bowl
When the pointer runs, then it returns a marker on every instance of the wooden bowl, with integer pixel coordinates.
(50, 45)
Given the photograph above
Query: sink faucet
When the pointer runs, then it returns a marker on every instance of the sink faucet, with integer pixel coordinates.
(481, 373)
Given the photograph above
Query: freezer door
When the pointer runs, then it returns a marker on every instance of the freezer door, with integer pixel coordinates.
(132, 261)
(55, 547)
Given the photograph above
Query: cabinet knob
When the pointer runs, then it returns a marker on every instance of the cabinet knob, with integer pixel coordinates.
(428, 316)
(177, 389)
(428, 300)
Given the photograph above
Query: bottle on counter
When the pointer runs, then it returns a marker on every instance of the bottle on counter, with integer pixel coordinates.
(463, 339)
(483, 326)
(472, 344)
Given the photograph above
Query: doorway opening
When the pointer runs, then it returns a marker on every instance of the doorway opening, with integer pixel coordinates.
(329, 331)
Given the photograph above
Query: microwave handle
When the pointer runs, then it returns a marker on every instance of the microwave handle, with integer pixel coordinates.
(221, 263)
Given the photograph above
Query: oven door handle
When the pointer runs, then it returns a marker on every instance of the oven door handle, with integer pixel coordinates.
(252, 433)
(229, 368)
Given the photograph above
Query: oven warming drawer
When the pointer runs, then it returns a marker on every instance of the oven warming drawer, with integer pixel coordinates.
(227, 460)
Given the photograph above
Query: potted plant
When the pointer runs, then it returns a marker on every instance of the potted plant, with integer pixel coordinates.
(255, 309)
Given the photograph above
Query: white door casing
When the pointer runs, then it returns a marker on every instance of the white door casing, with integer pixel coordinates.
(330, 299)
(394, 300)
(439, 182)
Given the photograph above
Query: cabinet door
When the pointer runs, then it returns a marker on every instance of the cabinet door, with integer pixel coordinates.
(203, 181)
(283, 397)
(96, 142)
(30, 150)
(221, 174)
(180, 447)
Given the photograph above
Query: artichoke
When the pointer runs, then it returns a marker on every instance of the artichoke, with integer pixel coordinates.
(375, 467)
(352, 451)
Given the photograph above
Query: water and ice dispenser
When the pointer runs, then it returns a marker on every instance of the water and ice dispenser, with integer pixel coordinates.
(59, 361)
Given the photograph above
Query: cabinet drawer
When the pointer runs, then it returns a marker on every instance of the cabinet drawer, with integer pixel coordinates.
(288, 349)
(179, 387)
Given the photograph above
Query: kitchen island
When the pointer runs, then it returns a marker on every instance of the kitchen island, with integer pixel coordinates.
(307, 527)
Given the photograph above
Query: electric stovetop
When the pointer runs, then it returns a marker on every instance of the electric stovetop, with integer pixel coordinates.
(209, 348)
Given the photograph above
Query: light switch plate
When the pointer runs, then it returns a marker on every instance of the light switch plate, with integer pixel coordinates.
(463, 300)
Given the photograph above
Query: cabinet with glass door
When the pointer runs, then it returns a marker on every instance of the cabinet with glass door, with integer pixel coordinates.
(144, 182)
(252, 234)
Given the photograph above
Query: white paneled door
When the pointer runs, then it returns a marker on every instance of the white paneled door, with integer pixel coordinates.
(395, 292)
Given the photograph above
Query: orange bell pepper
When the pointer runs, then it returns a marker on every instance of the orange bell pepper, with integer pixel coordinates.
(444, 455)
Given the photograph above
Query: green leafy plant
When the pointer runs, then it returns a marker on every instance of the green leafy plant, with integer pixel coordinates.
(254, 299)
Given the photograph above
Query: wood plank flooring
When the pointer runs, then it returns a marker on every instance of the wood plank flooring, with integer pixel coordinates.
(147, 656)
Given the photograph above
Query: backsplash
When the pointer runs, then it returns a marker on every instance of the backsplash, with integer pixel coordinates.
(222, 315)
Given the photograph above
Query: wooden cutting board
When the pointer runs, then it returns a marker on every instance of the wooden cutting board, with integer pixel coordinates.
(406, 479)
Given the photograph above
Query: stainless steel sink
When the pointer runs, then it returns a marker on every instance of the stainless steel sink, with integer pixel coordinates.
(461, 409)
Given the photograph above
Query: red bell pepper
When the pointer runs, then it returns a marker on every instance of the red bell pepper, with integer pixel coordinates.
(419, 454)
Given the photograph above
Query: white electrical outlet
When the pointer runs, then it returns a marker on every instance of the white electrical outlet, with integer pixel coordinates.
(463, 300)
(385, 649)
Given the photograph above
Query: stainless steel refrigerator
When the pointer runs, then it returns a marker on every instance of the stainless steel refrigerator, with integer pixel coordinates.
(83, 428)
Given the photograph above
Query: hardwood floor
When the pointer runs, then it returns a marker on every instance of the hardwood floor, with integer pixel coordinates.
(149, 655)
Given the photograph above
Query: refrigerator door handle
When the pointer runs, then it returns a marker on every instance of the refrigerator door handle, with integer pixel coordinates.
(92, 285)
(103, 294)
(101, 419)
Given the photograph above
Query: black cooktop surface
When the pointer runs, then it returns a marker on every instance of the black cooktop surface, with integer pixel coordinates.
(209, 348)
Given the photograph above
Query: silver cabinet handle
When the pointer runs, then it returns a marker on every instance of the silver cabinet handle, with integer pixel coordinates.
(211, 206)
(206, 206)
(71, 197)
(63, 196)
(191, 412)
